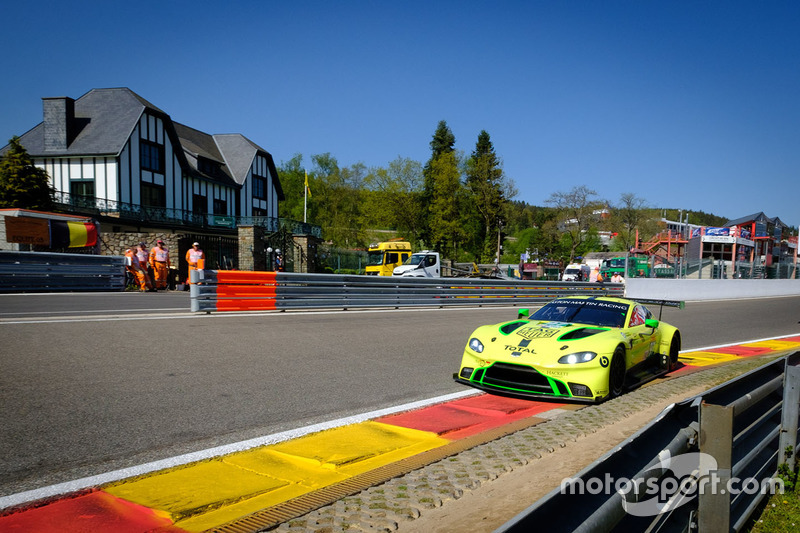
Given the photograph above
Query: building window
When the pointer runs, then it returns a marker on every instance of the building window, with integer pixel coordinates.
(151, 156)
(260, 212)
(154, 195)
(220, 207)
(81, 188)
(81, 193)
(259, 187)
(199, 204)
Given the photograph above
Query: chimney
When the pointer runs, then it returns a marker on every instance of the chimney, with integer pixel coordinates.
(59, 122)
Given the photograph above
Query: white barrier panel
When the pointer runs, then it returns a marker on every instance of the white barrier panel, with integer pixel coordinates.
(709, 289)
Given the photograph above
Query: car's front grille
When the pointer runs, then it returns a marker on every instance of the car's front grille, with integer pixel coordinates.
(516, 377)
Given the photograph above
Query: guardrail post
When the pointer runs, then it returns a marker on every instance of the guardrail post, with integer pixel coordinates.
(789, 415)
(716, 439)
(194, 290)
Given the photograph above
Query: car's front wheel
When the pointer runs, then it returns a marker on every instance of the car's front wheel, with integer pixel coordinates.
(674, 350)
(616, 373)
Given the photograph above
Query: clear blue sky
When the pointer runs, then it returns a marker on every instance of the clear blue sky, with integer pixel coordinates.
(687, 104)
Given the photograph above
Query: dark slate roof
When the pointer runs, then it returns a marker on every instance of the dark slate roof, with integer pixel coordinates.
(105, 119)
(756, 217)
(240, 152)
(778, 222)
(196, 144)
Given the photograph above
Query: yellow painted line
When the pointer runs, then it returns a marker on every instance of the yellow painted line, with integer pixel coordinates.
(776, 345)
(705, 358)
(209, 494)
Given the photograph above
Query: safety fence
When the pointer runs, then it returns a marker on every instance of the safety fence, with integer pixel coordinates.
(37, 271)
(221, 290)
(705, 464)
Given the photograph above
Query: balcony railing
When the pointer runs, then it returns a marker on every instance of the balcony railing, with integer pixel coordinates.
(127, 212)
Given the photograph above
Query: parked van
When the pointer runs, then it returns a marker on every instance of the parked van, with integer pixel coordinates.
(576, 272)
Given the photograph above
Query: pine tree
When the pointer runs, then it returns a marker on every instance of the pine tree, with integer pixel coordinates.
(485, 182)
(443, 142)
(23, 185)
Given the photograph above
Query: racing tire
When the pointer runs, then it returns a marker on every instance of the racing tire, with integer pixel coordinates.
(616, 373)
(674, 349)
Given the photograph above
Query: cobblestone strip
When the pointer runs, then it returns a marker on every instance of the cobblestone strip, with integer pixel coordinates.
(384, 507)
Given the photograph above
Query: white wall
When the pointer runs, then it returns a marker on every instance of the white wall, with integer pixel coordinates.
(710, 289)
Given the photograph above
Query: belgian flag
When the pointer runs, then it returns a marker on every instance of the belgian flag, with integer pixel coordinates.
(65, 234)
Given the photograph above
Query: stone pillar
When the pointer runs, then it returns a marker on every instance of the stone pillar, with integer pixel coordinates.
(252, 248)
(305, 250)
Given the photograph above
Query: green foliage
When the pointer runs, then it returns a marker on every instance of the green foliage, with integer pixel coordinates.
(394, 198)
(339, 190)
(443, 142)
(447, 232)
(699, 218)
(292, 176)
(23, 185)
(577, 214)
(485, 183)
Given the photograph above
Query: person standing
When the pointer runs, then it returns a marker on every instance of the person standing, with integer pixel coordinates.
(131, 264)
(159, 258)
(196, 260)
(144, 263)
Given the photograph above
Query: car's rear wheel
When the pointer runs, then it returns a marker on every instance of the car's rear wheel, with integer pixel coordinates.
(616, 373)
(674, 350)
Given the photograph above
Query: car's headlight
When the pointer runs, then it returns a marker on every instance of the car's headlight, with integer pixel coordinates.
(475, 345)
(578, 357)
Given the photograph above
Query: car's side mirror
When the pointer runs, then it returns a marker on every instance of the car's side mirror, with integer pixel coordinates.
(651, 323)
(523, 313)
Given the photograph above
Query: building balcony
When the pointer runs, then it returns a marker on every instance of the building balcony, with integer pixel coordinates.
(90, 206)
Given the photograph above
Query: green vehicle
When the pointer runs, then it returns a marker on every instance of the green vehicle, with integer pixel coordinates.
(638, 267)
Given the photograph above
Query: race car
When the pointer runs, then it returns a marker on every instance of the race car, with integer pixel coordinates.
(583, 348)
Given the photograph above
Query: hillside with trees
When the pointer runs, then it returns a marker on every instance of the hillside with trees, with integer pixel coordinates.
(462, 206)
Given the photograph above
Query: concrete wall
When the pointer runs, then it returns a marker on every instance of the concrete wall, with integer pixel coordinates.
(710, 289)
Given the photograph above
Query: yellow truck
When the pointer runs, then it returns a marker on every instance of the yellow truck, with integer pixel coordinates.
(383, 257)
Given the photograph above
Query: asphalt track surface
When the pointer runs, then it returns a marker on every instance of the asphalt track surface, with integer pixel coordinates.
(101, 387)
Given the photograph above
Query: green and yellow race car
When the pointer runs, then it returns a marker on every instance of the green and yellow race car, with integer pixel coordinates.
(579, 348)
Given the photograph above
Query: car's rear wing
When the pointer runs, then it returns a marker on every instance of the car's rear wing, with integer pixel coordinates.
(680, 304)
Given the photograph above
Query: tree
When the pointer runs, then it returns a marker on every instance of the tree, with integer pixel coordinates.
(337, 200)
(626, 218)
(578, 210)
(485, 182)
(23, 185)
(447, 229)
(443, 142)
(397, 197)
(292, 176)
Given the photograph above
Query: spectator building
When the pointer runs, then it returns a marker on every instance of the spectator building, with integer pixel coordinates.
(116, 157)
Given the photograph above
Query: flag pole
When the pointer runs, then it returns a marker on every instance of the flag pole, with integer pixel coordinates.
(305, 198)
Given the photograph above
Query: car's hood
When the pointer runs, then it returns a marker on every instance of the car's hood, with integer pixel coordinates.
(542, 342)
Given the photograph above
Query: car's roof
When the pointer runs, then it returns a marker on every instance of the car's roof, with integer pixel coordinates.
(596, 298)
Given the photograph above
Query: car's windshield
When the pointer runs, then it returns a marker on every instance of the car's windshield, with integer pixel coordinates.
(593, 312)
(374, 258)
(415, 259)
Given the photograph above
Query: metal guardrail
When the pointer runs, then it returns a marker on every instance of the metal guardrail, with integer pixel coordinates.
(708, 460)
(220, 290)
(37, 271)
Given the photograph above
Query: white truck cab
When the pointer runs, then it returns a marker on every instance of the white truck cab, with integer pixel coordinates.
(424, 264)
